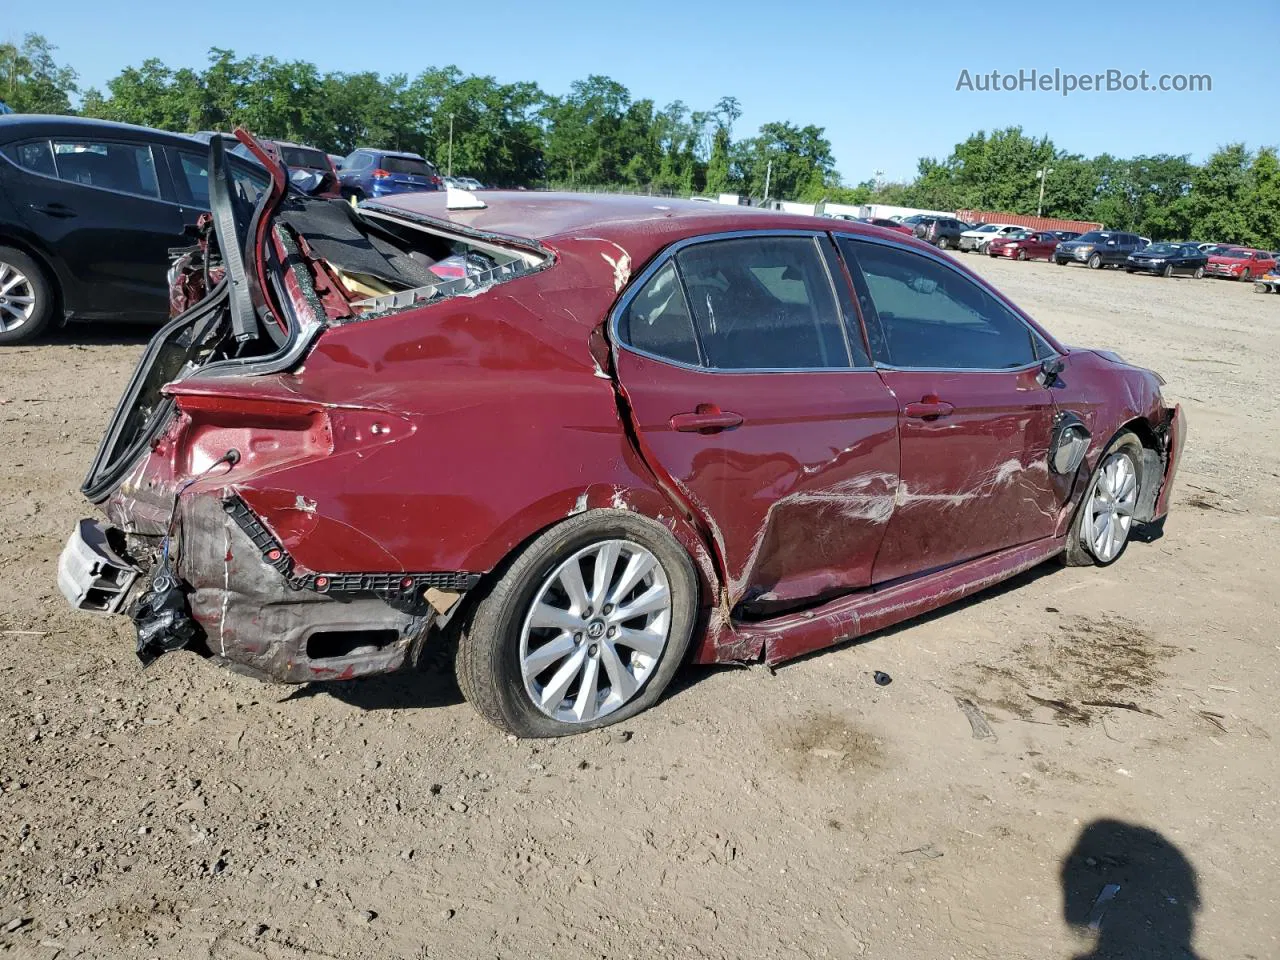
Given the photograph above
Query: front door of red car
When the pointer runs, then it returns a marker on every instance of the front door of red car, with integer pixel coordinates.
(975, 422)
(756, 402)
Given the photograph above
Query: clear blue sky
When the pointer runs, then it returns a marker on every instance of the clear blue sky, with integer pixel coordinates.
(879, 77)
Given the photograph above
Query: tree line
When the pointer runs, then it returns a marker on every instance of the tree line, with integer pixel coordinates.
(598, 135)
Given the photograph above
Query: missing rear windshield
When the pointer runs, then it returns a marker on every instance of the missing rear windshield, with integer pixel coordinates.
(385, 263)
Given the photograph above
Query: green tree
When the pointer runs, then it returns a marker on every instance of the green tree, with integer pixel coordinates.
(1264, 208)
(31, 80)
(1218, 204)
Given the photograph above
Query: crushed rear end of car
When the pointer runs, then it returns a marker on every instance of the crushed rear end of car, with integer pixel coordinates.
(207, 539)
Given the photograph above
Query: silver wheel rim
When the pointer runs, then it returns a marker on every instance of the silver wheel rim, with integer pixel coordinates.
(17, 298)
(1109, 513)
(596, 631)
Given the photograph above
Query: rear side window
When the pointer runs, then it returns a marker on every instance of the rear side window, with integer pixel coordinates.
(304, 157)
(921, 314)
(763, 303)
(125, 167)
(658, 321)
(191, 176)
(35, 156)
(357, 161)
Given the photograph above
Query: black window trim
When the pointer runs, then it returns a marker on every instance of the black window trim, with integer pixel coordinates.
(162, 180)
(669, 253)
(1035, 335)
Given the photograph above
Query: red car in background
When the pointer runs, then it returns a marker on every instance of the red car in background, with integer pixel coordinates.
(1027, 245)
(1239, 263)
(632, 432)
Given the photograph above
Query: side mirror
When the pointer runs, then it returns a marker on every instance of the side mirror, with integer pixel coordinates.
(1049, 371)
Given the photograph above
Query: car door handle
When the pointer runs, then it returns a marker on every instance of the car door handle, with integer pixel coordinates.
(60, 210)
(928, 408)
(705, 420)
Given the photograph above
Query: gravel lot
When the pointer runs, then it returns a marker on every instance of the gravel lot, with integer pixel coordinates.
(187, 812)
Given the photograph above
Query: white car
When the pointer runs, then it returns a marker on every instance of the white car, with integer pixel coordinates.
(978, 238)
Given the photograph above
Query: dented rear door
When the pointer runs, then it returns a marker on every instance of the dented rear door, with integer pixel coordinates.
(752, 402)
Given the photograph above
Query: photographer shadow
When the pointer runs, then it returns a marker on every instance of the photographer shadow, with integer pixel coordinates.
(1133, 891)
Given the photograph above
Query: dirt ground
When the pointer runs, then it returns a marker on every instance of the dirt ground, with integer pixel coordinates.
(187, 812)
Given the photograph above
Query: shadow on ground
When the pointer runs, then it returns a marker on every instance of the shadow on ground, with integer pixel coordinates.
(1130, 890)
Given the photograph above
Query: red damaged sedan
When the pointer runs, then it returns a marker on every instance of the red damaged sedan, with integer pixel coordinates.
(579, 440)
(1027, 245)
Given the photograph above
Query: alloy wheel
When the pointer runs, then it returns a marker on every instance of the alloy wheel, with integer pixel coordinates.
(1109, 513)
(17, 298)
(596, 631)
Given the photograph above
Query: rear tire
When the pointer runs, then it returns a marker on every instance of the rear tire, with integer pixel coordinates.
(27, 297)
(1081, 550)
(500, 670)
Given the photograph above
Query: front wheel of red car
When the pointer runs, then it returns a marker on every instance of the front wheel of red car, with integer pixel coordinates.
(586, 627)
(1100, 531)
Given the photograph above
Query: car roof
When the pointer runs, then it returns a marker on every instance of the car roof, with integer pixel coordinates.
(641, 226)
(16, 125)
(390, 153)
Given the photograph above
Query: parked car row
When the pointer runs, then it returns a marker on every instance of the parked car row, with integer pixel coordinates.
(1112, 248)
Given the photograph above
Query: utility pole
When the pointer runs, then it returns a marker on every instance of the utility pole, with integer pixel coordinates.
(1042, 175)
(768, 174)
(450, 164)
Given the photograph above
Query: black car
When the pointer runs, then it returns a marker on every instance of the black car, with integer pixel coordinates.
(89, 211)
(1168, 259)
(942, 232)
(1099, 248)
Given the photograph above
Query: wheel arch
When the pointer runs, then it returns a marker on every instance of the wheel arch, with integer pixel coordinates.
(57, 282)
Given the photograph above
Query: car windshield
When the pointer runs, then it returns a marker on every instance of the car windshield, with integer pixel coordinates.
(1235, 253)
(1163, 248)
(987, 228)
(409, 165)
(1093, 236)
(304, 157)
(1021, 235)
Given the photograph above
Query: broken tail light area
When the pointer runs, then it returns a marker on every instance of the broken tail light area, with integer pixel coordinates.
(225, 587)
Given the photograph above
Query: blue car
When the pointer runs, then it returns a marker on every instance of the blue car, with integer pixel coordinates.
(367, 173)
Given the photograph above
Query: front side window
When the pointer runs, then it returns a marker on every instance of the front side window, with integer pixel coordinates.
(922, 314)
(35, 156)
(763, 303)
(124, 167)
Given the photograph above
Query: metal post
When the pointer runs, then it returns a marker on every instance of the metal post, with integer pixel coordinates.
(450, 165)
(768, 174)
(1043, 175)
